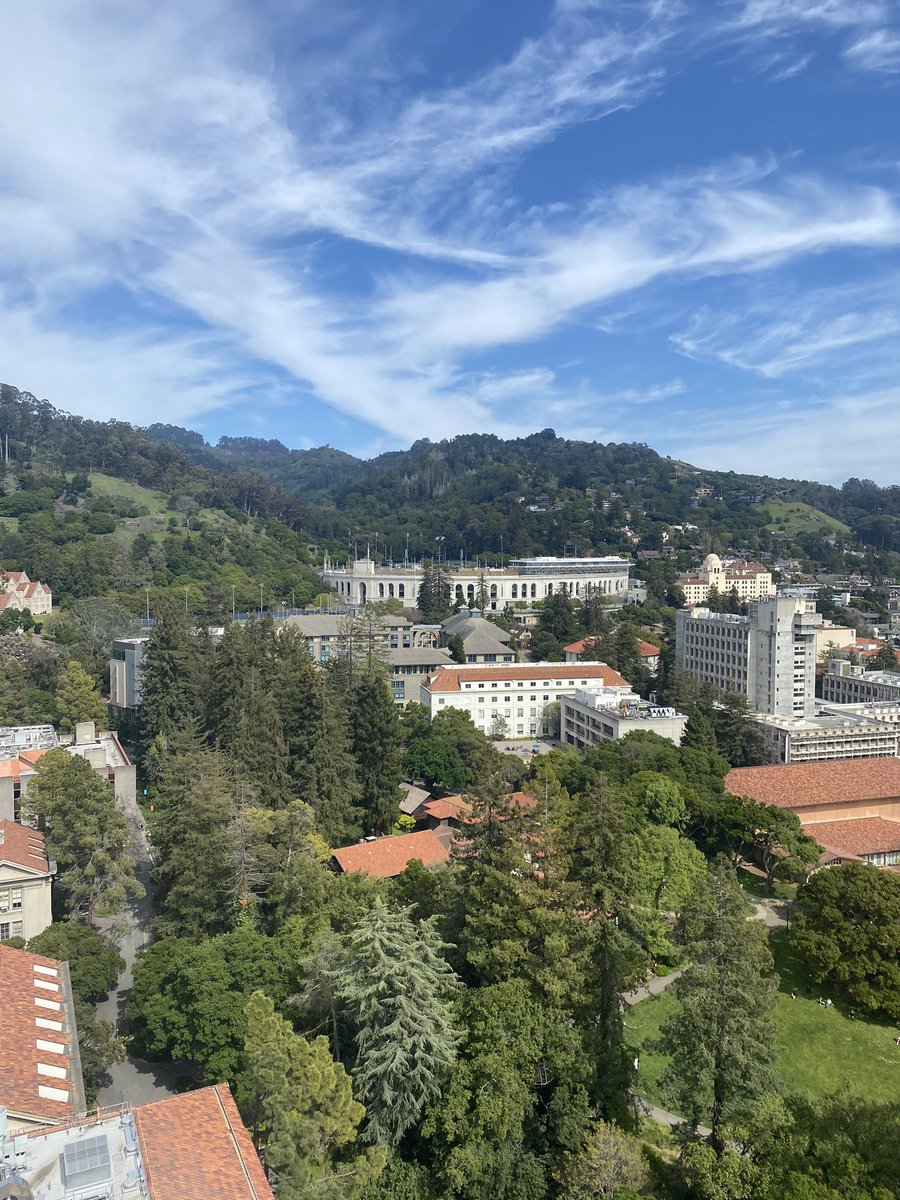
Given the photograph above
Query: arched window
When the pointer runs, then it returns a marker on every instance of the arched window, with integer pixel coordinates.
(459, 591)
(362, 593)
(515, 591)
(470, 591)
(381, 590)
(533, 590)
(549, 589)
(401, 590)
(390, 589)
(493, 591)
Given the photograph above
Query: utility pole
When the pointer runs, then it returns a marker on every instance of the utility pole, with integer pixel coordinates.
(147, 590)
(232, 602)
(260, 600)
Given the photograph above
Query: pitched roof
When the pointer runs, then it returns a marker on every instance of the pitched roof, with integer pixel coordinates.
(388, 856)
(23, 847)
(858, 836)
(33, 989)
(448, 680)
(799, 785)
(645, 649)
(446, 808)
(521, 800)
(194, 1147)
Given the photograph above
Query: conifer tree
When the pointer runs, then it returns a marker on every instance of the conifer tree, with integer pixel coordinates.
(331, 787)
(299, 1106)
(77, 699)
(298, 692)
(699, 733)
(397, 989)
(721, 1038)
(376, 747)
(172, 685)
(87, 834)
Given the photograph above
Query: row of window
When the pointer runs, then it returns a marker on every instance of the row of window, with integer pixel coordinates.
(532, 683)
(10, 929)
(10, 898)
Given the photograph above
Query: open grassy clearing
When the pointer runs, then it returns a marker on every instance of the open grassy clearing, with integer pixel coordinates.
(795, 517)
(109, 485)
(822, 1051)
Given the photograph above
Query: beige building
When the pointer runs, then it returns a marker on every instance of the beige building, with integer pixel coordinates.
(26, 882)
(751, 581)
(18, 591)
(829, 734)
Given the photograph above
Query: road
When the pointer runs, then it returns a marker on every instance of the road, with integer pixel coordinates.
(133, 1081)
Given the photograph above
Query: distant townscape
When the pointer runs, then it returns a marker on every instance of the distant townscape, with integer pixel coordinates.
(531, 832)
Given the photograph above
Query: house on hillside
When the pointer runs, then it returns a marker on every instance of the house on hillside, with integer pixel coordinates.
(18, 591)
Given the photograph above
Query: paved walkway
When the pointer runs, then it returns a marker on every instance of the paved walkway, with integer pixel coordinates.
(133, 1080)
(662, 1117)
(652, 987)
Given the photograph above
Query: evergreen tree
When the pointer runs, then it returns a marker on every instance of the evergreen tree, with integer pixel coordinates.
(720, 1038)
(434, 599)
(330, 785)
(300, 1109)
(456, 649)
(298, 691)
(699, 733)
(172, 685)
(196, 853)
(397, 989)
(558, 618)
(77, 699)
(87, 834)
(376, 747)
(739, 737)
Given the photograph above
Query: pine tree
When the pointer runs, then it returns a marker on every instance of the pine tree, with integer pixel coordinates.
(299, 1106)
(87, 834)
(376, 747)
(699, 733)
(397, 989)
(172, 685)
(330, 785)
(721, 1038)
(77, 699)
(298, 691)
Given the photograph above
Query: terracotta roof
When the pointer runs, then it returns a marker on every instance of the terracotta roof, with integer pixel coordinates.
(195, 1147)
(23, 847)
(645, 649)
(521, 800)
(860, 835)
(26, 979)
(799, 785)
(446, 808)
(13, 767)
(388, 856)
(448, 680)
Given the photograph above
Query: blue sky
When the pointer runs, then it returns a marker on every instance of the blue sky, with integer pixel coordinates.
(362, 224)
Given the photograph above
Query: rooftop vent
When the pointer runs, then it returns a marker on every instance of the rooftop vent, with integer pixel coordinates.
(86, 1162)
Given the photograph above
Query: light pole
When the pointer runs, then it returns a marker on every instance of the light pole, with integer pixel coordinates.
(232, 602)
(260, 600)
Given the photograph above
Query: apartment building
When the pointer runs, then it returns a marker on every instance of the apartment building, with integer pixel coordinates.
(750, 581)
(26, 882)
(517, 700)
(844, 683)
(769, 654)
(523, 579)
(588, 718)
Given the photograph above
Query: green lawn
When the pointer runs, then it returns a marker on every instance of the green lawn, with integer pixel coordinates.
(795, 517)
(822, 1050)
(108, 485)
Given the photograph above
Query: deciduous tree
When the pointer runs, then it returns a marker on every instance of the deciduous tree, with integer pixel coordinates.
(77, 698)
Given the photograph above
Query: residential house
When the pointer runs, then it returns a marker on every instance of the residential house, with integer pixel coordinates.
(390, 856)
(40, 1067)
(648, 652)
(191, 1146)
(18, 591)
(26, 882)
(512, 700)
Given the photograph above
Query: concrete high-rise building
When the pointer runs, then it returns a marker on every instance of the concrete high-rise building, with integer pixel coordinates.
(769, 655)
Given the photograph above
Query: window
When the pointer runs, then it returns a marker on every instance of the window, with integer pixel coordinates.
(16, 897)
(17, 928)
(401, 590)
(4, 931)
(441, 701)
(4, 901)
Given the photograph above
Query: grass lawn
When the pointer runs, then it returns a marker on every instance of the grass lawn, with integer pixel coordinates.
(108, 485)
(801, 518)
(821, 1050)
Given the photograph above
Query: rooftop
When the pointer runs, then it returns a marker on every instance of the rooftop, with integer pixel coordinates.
(23, 847)
(645, 649)
(16, 738)
(858, 836)
(800, 785)
(416, 656)
(448, 679)
(389, 856)
(41, 1076)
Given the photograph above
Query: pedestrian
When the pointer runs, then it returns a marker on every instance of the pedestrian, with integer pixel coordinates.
(852, 1014)
(793, 995)
(828, 1003)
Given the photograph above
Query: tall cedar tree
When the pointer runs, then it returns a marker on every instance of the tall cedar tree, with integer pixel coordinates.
(87, 834)
(376, 747)
(298, 690)
(699, 733)
(299, 1106)
(196, 854)
(721, 1039)
(558, 618)
(172, 684)
(398, 990)
(599, 844)
(434, 598)
(77, 699)
(332, 788)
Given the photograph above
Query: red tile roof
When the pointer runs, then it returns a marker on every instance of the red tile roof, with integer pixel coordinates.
(388, 856)
(858, 836)
(195, 1147)
(798, 785)
(645, 649)
(521, 800)
(446, 808)
(20, 987)
(23, 847)
(13, 767)
(448, 680)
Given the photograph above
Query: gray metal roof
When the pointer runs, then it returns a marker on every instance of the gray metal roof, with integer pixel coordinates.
(463, 623)
(409, 656)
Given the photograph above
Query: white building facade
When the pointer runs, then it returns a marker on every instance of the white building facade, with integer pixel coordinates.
(750, 581)
(513, 700)
(523, 581)
(769, 655)
(830, 734)
(588, 718)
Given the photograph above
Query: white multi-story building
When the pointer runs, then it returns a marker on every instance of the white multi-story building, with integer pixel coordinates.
(588, 718)
(17, 591)
(835, 732)
(750, 581)
(512, 700)
(844, 683)
(524, 580)
(769, 655)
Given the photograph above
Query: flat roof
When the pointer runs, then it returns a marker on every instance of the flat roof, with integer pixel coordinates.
(447, 679)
